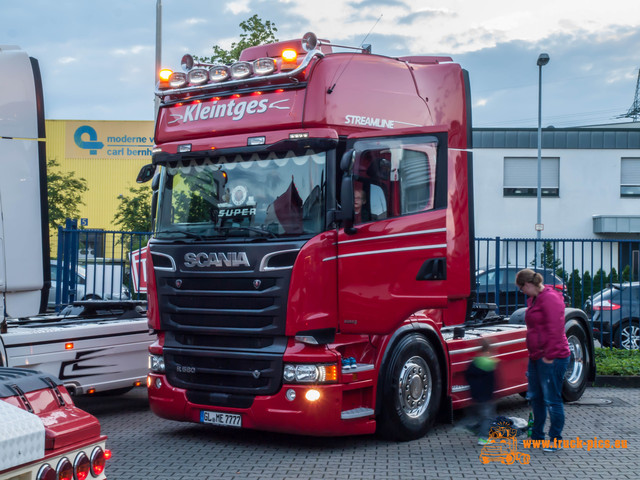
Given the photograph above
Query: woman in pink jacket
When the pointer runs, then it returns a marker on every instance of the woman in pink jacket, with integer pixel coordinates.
(548, 353)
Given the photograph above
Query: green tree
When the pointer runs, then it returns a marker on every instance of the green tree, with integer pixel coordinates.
(65, 195)
(548, 259)
(574, 288)
(626, 273)
(134, 211)
(255, 32)
(613, 276)
(599, 280)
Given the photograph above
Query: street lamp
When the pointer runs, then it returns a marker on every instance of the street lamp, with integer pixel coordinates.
(543, 59)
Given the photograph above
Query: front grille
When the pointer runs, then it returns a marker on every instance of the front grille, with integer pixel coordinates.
(224, 328)
(224, 372)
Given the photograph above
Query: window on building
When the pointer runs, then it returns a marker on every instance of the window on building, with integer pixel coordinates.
(521, 177)
(630, 177)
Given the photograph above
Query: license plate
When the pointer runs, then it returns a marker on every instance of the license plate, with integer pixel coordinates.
(221, 419)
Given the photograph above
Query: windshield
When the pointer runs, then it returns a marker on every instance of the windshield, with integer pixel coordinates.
(269, 196)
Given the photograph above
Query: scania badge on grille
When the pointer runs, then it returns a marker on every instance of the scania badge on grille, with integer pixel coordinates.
(178, 283)
(257, 283)
(256, 374)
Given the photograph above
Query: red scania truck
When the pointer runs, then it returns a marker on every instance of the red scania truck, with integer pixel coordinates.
(312, 264)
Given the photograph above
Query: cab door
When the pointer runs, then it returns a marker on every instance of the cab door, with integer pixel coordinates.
(393, 262)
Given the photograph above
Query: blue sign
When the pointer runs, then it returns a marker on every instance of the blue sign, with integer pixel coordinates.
(92, 144)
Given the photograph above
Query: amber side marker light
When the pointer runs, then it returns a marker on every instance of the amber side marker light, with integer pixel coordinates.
(68, 346)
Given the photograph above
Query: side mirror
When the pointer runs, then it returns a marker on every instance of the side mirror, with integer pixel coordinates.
(146, 173)
(347, 210)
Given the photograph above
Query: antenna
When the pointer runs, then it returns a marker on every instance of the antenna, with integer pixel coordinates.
(634, 110)
(366, 48)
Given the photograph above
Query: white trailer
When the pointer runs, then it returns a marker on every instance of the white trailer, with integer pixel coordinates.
(106, 346)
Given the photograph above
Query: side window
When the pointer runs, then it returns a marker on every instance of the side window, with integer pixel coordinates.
(394, 177)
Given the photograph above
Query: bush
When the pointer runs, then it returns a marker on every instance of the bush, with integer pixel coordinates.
(617, 362)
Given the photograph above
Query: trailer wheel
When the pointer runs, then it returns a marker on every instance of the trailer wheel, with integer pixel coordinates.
(411, 390)
(575, 379)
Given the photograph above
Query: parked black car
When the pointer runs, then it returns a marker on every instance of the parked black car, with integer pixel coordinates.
(509, 297)
(615, 315)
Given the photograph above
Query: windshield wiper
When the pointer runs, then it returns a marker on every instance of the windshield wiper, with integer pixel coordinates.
(186, 233)
(261, 231)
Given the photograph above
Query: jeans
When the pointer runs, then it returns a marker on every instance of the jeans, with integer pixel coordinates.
(545, 392)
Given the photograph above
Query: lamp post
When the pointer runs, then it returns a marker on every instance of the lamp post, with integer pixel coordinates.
(543, 59)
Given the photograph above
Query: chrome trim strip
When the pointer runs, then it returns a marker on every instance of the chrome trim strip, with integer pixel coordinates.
(263, 263)
(395, 235)
(474, 349)
(390, 250)
(258, 79)
(173, 267)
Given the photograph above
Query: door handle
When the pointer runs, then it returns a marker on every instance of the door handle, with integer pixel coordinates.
(433, 269)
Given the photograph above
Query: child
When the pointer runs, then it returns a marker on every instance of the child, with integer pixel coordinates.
(481, 379)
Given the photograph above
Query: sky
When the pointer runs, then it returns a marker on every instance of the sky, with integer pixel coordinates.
(98, 58)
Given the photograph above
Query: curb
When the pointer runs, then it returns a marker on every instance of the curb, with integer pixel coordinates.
(619, 381)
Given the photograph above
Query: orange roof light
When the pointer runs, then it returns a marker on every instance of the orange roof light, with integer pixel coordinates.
(164, 74)
(289, 55)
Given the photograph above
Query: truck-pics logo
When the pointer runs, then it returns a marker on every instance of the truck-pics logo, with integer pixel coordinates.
(231, 108)
(503, 447)
(229, 259)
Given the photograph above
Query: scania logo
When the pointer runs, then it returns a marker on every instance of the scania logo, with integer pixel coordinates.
(229, 259)
(257, 283)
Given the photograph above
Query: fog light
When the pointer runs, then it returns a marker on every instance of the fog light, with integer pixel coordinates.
(291, 395)
(158, 383)
(312, 395)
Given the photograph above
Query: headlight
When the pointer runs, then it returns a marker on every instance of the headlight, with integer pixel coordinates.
(156, 363)
(310, 373)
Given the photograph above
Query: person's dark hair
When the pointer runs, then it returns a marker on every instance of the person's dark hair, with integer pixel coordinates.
(485, 344)
(528, 276)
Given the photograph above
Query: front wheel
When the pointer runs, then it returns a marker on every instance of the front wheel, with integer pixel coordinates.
(575, 379)
(411, 390)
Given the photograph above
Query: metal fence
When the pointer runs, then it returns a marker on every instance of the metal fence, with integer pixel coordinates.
(598, 276)
(97, 265)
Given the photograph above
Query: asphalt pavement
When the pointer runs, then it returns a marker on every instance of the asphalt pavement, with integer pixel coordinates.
(147, 447)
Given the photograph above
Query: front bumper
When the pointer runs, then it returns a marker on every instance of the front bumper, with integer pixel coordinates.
(275, 413)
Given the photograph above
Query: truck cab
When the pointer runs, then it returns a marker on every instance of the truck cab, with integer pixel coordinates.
(313, 248)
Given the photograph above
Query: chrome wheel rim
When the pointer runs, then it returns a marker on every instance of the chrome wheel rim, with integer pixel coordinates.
(576, 361)
(415, 386)
(630, 337)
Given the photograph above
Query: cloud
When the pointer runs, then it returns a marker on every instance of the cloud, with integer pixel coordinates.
(239, 6)
(67, 60)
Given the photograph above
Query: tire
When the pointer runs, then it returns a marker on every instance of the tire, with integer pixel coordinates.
(627, 335)
(575, 379)
(411, 390)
